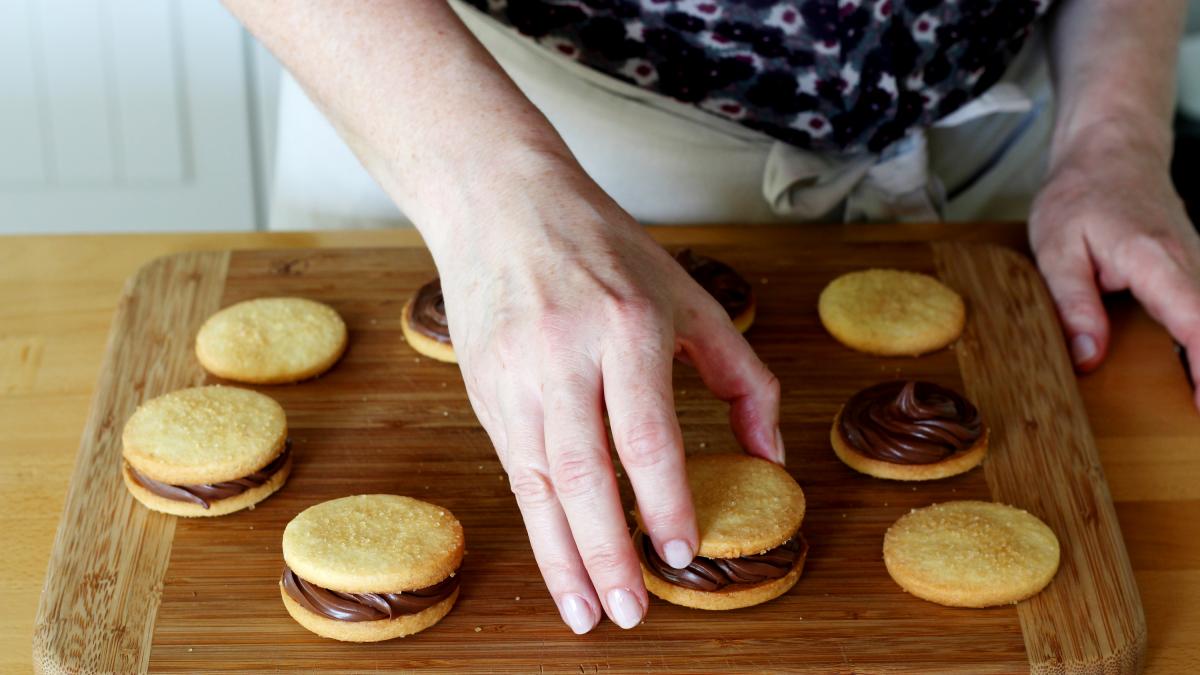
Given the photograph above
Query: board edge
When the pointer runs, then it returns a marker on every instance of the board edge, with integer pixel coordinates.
(1127, 652)
(206, 271)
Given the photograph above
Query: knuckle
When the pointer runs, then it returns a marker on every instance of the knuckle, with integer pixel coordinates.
(604, 559)
(576, 474)
(531, 487)
(648, 445)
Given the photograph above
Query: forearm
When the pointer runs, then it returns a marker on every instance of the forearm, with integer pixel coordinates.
(423, 105)
(1114, 71)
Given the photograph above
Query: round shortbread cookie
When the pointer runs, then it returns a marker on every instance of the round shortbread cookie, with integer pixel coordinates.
(957, 463)
(743, 596)
(891, 312)
(971, 553)
(204, 435)
(367, 631)
(271, 340)
(423, 344)
(218, 507)
(373, 544)
(744, 505)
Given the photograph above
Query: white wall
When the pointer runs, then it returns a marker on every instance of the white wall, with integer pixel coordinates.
(130, 115)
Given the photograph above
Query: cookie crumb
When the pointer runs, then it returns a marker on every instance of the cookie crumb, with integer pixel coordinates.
(518, 598)
(478, 629)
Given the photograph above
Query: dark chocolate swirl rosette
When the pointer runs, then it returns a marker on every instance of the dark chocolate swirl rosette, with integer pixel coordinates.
(909, 430)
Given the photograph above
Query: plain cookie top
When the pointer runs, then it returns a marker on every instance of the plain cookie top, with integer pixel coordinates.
(891, 312)
(971, 553)
(744, 505)
(271, 340)
(373, 544)
(204, 435)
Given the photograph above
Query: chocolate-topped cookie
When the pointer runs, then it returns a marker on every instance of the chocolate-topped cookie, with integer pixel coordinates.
(424, 323)
(371, 567)
(729, 288)
(748, 512)
(909, 430)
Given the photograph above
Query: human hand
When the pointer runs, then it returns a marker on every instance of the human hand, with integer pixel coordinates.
(563, 307)
(1108, 219)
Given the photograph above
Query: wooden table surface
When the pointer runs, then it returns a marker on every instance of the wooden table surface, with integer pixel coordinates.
(57, 296)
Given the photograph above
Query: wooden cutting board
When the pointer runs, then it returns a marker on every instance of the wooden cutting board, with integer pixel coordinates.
(129, 590)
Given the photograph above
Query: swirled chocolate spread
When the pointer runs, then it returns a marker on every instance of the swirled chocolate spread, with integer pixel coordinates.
(720, 280)
(907, 422)
(714, 574)
(364, 606)
(429, 312)
(204, 494)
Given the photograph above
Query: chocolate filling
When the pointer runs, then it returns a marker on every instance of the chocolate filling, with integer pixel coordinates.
(428, 312)
(364, 606)
(907, 422)
(205, 493)
(714, 574)
(720, 280)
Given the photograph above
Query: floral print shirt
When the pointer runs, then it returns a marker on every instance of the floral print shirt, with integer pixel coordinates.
(842, 76)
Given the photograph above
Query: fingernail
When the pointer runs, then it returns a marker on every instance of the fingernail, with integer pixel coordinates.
(1083, 348)
(780, 453)
(624, 608)
(678, 553)
(576, 613)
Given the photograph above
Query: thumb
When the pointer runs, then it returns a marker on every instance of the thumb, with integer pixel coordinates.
(734, 373)
(1071, 278)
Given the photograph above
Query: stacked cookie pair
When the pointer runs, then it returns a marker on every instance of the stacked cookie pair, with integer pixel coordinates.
(961, 553)
(361, 568)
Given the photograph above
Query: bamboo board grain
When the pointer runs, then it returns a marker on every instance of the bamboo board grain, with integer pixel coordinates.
(132, 591)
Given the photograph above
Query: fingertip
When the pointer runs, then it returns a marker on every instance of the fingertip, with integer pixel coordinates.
(577, 613)
(678, 553)
(1085, 352)
(624, 608)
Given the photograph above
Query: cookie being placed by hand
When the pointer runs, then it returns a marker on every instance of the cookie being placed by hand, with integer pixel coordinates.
(891, 312)
(749, 512)
(271, 340)
(971, 554)
(729, 288)
(423, 322)
(371, 567)
(908, 430)
(206, 451)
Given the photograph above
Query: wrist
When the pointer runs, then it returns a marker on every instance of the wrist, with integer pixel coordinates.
(513, 203)
(1125, 132)
(1131, 138)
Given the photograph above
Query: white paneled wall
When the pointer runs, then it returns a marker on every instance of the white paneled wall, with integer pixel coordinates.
(127, 115)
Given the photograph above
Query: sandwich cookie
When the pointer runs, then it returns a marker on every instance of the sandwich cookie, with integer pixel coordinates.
(908, 430)
(371, 567)
(723, 283)
(891, 312)
(271, 340)
(206, 451)
(749, 512)
(971, 554)
(424, 323)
